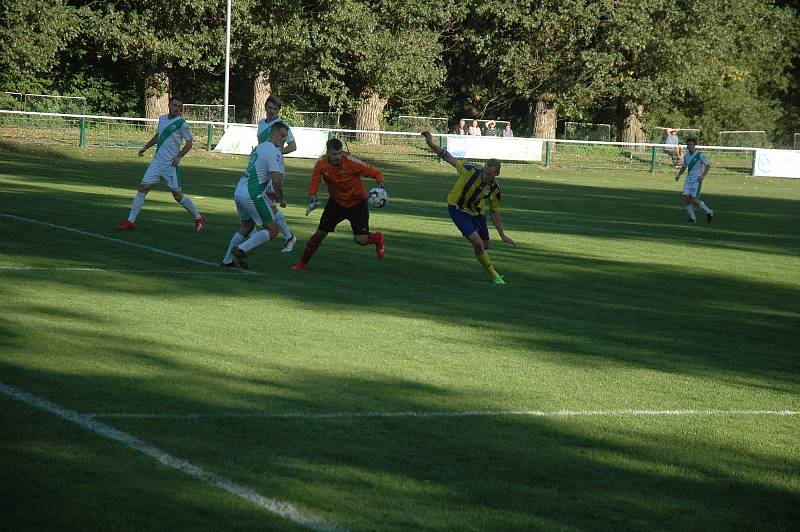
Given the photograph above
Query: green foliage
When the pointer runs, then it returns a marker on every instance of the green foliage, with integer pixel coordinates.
(33, 33)
(388, 49)
(720, 64)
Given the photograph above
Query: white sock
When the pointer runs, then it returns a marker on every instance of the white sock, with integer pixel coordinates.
(189, 206)
(256, 239)
(280, 220)
(136, 206)
(235, 241)
(690, 210)
(704, 208)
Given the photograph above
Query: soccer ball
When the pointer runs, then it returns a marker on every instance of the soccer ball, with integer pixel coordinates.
(377, 197)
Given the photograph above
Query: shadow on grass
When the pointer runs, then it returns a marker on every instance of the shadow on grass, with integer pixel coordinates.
(500, 472)
(591, 309)
(647, 212)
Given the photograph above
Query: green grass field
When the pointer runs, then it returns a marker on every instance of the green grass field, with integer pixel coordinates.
(636, 372)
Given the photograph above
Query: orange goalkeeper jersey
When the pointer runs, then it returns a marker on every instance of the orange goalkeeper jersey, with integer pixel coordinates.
(343, 180)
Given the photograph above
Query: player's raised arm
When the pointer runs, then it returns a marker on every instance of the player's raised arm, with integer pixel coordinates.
(444, 154)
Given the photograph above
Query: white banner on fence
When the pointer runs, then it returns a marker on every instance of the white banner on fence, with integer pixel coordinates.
(777, 163)
(242, 139)
(506, 149)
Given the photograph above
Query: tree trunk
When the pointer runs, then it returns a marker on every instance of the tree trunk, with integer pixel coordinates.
(630, 123)
(544, 119)
(156, 95)
(368, 116)
(262, 89)
(544, 122)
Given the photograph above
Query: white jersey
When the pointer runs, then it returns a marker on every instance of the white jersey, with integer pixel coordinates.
(266, 158)
(174, 134)
(672, 138)
(265, 127)
(697, 168)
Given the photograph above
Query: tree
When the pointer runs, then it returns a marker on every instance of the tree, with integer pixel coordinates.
(543, 54)
(34, 33)
(371, 53)
(269, 46)
(150, 40)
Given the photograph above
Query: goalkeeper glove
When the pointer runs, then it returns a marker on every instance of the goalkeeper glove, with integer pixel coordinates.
(312, 204)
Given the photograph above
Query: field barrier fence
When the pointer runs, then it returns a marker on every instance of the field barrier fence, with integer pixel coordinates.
(389, 146)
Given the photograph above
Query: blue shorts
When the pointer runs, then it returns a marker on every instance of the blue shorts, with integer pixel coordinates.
(469, 223)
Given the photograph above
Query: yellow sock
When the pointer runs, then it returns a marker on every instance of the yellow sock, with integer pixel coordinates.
(486, 262)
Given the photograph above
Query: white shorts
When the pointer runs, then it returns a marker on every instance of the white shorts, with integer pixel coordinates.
(261, 209)
(157, 171)
(692, 187)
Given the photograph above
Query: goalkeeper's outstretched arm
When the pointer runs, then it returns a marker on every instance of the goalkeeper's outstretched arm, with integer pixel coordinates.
(440, 152)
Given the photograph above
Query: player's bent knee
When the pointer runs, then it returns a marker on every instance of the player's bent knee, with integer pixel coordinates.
(361, 239)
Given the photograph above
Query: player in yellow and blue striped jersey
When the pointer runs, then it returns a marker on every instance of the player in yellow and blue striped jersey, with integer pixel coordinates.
(475, 187)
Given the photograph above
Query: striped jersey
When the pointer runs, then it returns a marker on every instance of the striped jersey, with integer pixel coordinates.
(265, 128)
(698, 162)
(175, 131)
(470, 192)
(266, 158)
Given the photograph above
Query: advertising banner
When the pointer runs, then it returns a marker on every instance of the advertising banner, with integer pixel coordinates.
(242, 139)
(503, 148)
(777, 163)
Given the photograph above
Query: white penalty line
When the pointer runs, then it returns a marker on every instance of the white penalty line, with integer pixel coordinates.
(111, 239)
(281, 508)
(464, 413)
(117, 270)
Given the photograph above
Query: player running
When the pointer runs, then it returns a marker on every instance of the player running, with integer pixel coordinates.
(273, 106)
(696, 166)
(466, 202)
(172, 131)
(255, 207)
(348, 200)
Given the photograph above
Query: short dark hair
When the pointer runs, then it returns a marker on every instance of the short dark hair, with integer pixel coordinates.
(279, 126)
(494, 163)
(691, 139)
(274, 100)
(176, 97)
(334, 144)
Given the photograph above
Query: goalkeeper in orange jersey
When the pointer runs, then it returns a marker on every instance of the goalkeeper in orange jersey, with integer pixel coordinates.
(348, 200)
(475, 186)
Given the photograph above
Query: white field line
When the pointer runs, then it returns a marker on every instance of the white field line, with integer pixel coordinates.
(111, 239)
(463, 413)
(119, 270)
(281, 508)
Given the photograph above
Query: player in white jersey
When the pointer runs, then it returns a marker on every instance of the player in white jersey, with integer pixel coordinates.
(273, 106)
(172, 131)
(254, 204)
(696, 166)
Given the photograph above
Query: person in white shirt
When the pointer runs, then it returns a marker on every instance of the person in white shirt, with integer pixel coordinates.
(697, 166)
(474, 130)
(172, 131)
(273, 106)
(255, 205)
(674, 150)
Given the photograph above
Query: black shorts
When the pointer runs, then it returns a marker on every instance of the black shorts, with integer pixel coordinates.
(358, 215)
